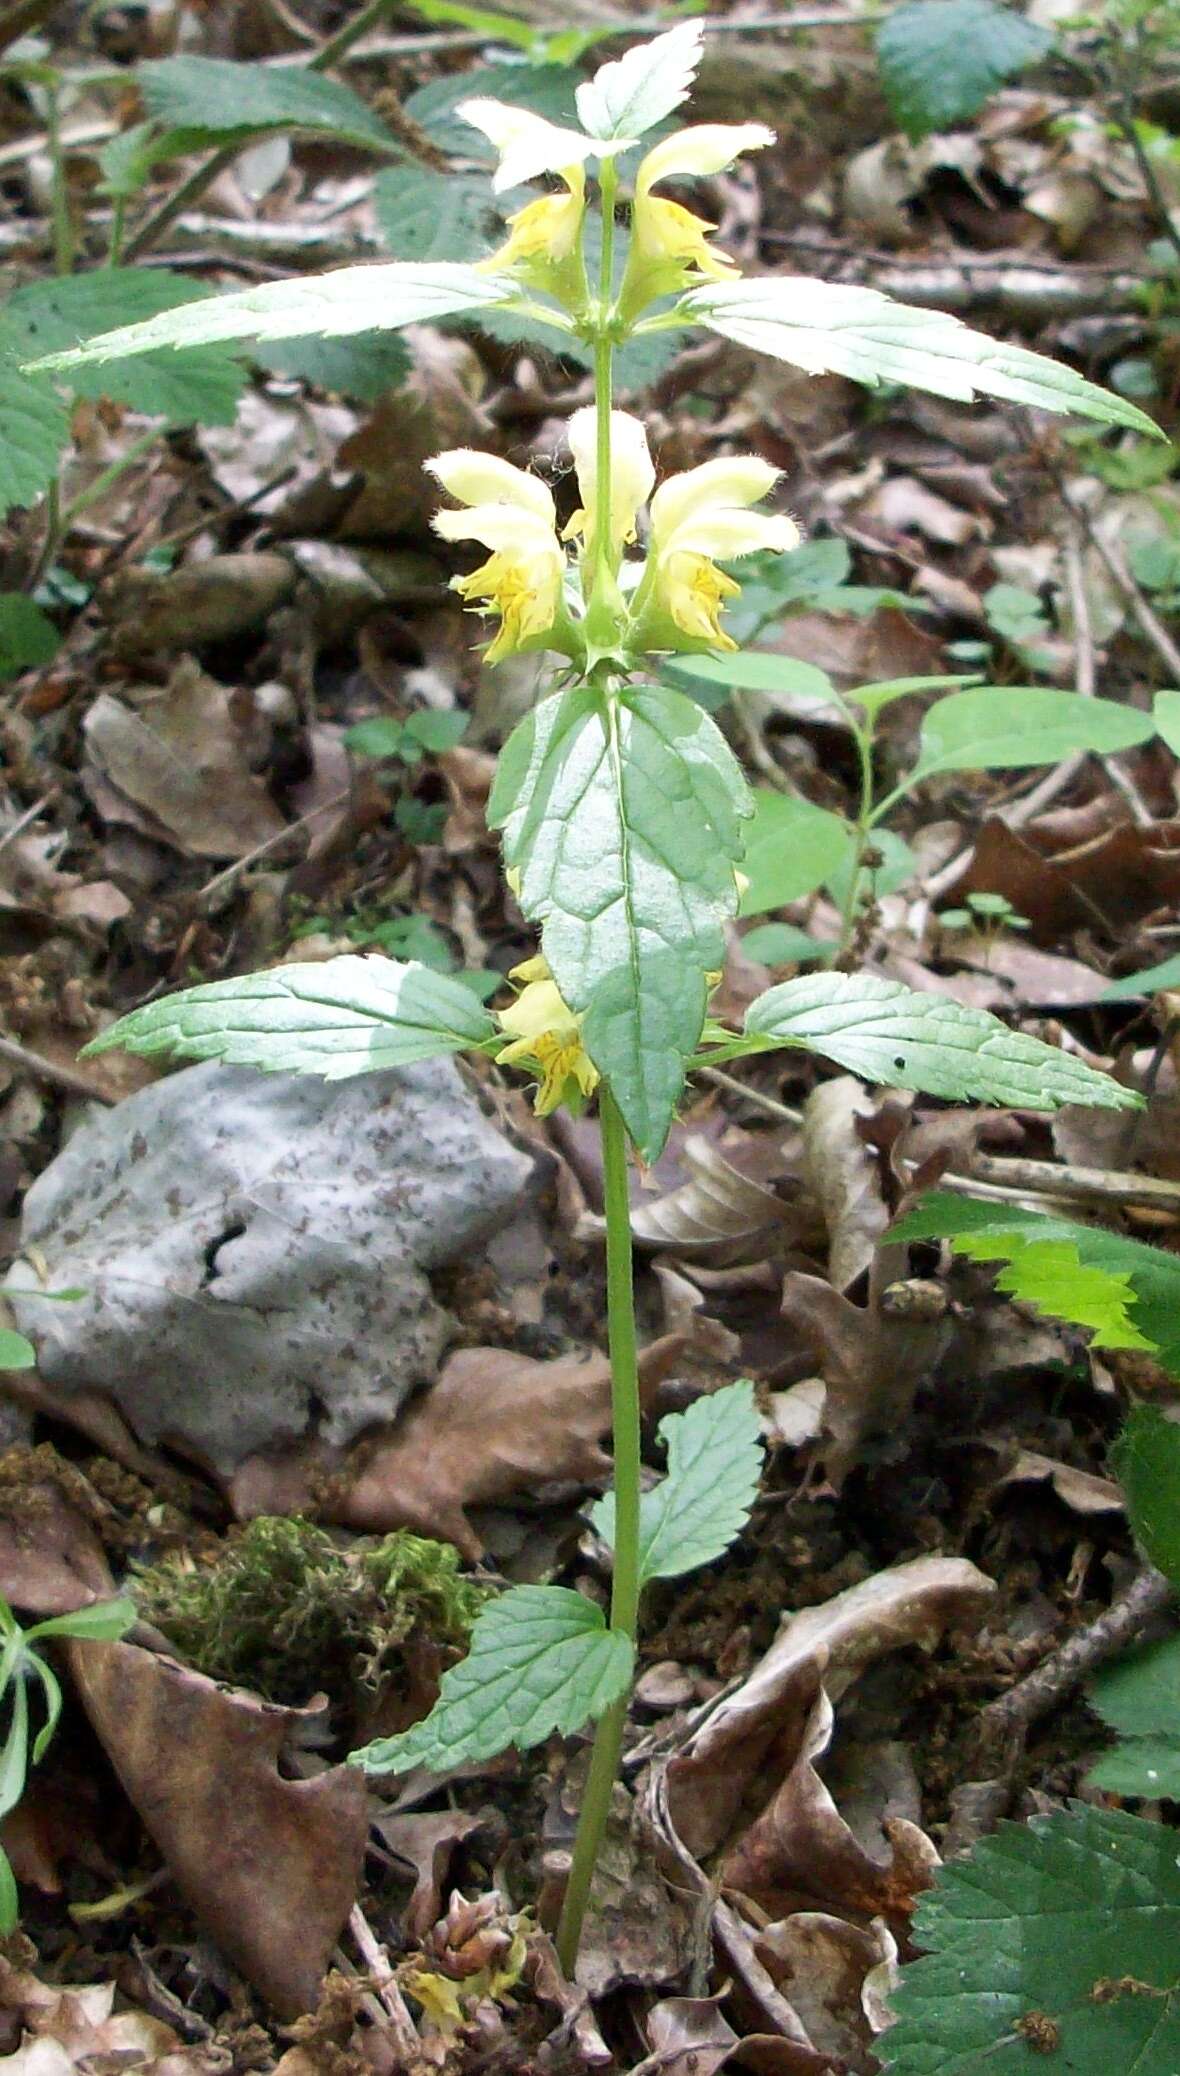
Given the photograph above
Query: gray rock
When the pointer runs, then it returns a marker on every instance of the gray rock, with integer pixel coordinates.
(254, 1250)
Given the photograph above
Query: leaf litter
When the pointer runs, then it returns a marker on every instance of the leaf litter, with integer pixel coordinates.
(935, 1509)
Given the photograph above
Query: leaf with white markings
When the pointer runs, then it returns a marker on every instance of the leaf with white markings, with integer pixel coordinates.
(889, 1033)
(702, 1505)
(351, 299)
(34, 425)
(623, 818)
(1063, 1933)
(633, 93)
(351, 1015)
(830, 327)
(541, 1659)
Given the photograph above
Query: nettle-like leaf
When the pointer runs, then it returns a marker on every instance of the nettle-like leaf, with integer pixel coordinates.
(1147, 1459)
(34, 425)
(623, 818)
(889, 1033)
(366, 367)
(1139, 1698)
(942, 59)
(633, 93)
(830, 327)
(348, 300)
(701, 1506)
(1063, 1933)
(424, 214)
(210, 97)
(541, 1660)
(1130, 1293)
(53, 315)
(1005, 728)
(351, 1015)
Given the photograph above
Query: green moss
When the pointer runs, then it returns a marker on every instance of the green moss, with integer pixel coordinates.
(285, 1609)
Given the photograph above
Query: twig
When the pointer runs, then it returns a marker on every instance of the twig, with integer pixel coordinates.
(263, 850)
(30, 815)
(401, 2025)
(1128, 127)
(49, 1070)
(1005, 1724)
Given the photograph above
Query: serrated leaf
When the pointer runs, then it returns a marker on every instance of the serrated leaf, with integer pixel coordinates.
(1146, 1458)
(546, 90)
(1002, 1232)
(792, 847)
(217, 95)
(27, 635)
(623, 817)
(426, 215)
(1139, 1697)
(34, 426)
(633, 93)
(889, 1033)
(1037, 1920)
(541, 1660)
(351, 1015)
(942, 59)
(52, 315)
(714, 1460)
(15, 1352)
(335, 305)
(1045, 1269)
(830, 327)
(365, 368)
(1006, 728)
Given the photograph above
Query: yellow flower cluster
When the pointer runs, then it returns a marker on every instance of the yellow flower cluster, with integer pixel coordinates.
(547, 1037)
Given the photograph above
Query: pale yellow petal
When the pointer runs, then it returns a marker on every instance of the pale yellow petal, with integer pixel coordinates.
(526, 143)
(632, 471)
(701, 150)
(476, 478)
(731, 480)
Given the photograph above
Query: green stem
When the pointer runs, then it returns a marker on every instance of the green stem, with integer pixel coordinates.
(624, 1606)
(862, 734)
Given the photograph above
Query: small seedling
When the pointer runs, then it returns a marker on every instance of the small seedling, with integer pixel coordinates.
(988, 914)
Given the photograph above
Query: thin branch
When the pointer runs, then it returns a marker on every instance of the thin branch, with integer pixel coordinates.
(49, 1070)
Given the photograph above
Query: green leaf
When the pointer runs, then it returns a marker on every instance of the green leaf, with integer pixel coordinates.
(942, 59)
(15, 1352)
(784, 944)
(53, 315)
(34, 426)
(998, 729)
(423, 214)
(1166, 711)
(349, 300)
(366, 367)
(1139, 1697)
(888, 1033)
(702, 1505)
(9, 1899)
(801, 688)
(1075, 1917)
(381, 736)
(102, 1621)
(623, 817)
(792, 847)
(541, 1659)
(546, 90)
(1148, 982)
(212, 96)
(1146, 1457)
(27, 635)
(436, 730)
(350, 1015)
(872, 699)
(897, 867)
(1006, 1232)
(829, 327)
(633, 93)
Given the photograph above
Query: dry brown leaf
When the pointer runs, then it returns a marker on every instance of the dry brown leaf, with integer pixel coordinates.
(903, 505)
(198, 603)
(1082, 1491)
(843, 1176)
(426, 1841)
(496, 1425)
(270, 1865)
(176, 756)
(68, 2031)
(872, 1358)
(720, 1215)
(51, 1560)
(689, 2037)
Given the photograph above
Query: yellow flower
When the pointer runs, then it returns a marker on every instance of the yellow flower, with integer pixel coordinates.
(669, 245)
(547, 1036)
(695, 517)
(513, 514)
(544, 233)
(631, 475)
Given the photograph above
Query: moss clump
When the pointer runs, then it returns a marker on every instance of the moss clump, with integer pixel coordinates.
(284, 1609)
